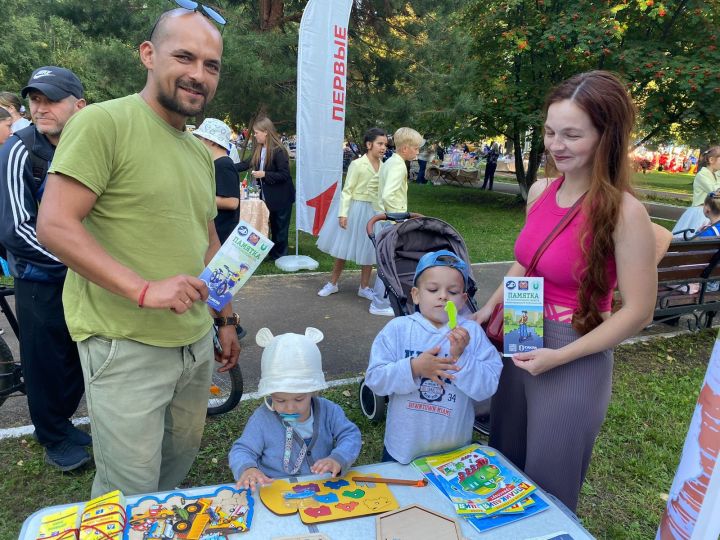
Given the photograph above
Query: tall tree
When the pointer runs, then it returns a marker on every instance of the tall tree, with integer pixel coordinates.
(522, 48)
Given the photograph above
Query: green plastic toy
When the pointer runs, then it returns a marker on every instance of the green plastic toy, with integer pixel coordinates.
(451, 311)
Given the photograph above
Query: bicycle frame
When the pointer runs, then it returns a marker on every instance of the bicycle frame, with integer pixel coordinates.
(7, 310)
(11, 379)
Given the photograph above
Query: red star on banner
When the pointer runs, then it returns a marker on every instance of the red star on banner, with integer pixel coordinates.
(321, 204)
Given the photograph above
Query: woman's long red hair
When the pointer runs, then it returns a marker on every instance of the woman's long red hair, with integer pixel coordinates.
(606, 101)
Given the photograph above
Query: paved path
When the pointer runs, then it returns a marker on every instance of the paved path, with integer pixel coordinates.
(289, 303)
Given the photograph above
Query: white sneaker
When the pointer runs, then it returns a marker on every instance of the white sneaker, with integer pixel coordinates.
(366, 292)
(388, 311)
(328, 289)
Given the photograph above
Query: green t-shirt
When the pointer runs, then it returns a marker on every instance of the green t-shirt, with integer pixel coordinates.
(156, 196)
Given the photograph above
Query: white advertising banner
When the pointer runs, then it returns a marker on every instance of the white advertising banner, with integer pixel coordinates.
(321, 92)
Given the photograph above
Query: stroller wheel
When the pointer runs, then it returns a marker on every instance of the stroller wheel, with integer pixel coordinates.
(372, 406)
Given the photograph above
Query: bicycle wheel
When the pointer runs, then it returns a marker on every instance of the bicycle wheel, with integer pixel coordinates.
(226, 389)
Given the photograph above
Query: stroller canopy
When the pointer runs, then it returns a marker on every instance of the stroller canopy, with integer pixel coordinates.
(399, 249)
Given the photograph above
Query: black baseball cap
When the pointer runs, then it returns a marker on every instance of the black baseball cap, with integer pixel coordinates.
(55, 82)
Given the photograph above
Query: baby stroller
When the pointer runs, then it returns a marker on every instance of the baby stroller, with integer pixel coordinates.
(398, 249)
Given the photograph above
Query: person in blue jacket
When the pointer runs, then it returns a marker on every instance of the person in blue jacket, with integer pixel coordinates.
(295, 432)
(50, 362)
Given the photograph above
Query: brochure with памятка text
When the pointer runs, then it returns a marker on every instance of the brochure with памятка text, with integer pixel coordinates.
(234, 263)
(523, 314)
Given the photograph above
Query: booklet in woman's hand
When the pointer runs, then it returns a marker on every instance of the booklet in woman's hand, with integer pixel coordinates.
(523, 306)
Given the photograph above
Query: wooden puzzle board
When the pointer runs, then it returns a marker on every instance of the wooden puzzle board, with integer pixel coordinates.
(179, 517)
(318, 501)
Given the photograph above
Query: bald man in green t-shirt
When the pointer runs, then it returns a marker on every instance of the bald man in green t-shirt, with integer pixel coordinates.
(129, 208)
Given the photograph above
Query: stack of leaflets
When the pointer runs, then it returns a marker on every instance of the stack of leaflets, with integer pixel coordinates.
(483, 490)
(103, 517)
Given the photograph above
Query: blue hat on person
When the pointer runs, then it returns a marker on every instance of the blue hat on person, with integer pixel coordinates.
(441, 258)
(55, 82)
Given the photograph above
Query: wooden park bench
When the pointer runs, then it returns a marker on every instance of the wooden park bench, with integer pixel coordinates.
(685, 274)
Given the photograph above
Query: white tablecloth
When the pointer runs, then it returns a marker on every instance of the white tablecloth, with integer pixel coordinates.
(266, 525)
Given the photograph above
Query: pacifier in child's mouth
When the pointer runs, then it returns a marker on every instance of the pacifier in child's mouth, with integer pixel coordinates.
(290, 418)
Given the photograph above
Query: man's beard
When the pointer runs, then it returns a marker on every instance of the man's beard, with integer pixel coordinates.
(172, 103)
(52, 132)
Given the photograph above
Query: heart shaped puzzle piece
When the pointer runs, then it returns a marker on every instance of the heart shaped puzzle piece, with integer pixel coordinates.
(355, 494)
(317, 512)
(377, 504)
(347, 507)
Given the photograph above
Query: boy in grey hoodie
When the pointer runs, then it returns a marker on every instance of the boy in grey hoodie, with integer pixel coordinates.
(295, 432)
(431, 372)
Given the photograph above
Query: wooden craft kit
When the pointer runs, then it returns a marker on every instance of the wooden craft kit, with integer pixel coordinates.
(319, 501)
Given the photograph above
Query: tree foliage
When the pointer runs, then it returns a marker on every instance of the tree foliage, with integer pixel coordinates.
(665, 51)
(456, 69)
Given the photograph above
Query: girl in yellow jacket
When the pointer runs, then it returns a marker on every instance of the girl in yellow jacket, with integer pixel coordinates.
(347, 240)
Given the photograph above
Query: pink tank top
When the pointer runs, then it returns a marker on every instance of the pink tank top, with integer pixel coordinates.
(562, 261)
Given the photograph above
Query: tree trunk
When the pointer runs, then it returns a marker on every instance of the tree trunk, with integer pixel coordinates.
(526, 178)
(272, 13)
(516, 139)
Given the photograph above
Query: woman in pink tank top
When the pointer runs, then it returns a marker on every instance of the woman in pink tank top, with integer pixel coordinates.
(551, 402)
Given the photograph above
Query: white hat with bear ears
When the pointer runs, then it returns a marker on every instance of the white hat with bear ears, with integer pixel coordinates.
(290, 363)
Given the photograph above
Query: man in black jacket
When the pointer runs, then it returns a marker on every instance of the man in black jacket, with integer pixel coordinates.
(51, 368)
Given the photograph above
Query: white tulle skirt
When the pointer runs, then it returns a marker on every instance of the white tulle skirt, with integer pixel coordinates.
(351, 244)
(692, 218)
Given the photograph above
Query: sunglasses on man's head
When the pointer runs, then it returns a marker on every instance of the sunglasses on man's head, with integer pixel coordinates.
(207, 11)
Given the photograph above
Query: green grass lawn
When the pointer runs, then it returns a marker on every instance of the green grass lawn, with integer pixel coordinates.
(665, 181)
(489, 223)
(654, 392)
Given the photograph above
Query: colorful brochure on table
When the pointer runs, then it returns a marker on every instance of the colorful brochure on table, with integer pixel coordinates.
(523, 314)
(60, 525)
(103, 518)
(485, 492)
(234, 263)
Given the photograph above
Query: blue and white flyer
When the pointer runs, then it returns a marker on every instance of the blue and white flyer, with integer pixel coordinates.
(523, 314)
(234, 263)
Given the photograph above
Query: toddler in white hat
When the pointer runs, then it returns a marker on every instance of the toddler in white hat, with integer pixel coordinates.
(295, 432)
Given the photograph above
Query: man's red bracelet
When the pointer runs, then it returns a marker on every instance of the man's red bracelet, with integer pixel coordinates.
(141, 298)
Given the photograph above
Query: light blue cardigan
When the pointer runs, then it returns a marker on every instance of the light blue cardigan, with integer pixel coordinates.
(262, 442)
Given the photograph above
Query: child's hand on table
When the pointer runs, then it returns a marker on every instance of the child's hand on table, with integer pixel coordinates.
(325, 465)
(252, 478)
(459, 339)
(433, 367)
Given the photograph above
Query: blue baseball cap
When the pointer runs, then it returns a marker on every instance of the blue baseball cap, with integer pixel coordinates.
(55, 82)
(441, 258)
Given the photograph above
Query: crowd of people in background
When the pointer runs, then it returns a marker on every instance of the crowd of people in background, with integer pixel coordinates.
(660, 160)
